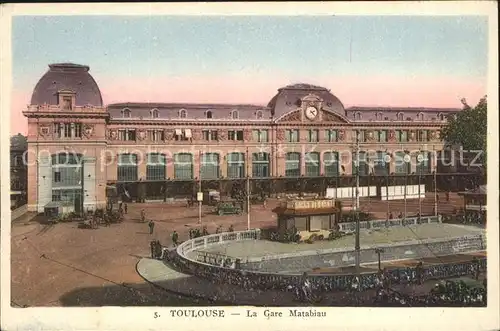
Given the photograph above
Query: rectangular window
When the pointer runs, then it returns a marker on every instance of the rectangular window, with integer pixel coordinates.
(382, 136)
(260, 136)
(126, 135)
(331, 136)
(422, 135)
(57, 176)
(67, 130)
(235, 135)
(402, 136)
(292, 136)
(78, 130)
(67, 103)
(312, 136)
(155, 135)
(210, 135)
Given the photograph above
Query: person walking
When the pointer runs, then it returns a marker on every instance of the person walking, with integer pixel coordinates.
(152, 244)
(143, 216)
(175, 238)
(125, 207)
(151, 226)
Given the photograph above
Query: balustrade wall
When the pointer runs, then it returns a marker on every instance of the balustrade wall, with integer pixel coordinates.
(266, 277)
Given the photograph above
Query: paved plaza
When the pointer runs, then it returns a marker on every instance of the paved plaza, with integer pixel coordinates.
(61, 265)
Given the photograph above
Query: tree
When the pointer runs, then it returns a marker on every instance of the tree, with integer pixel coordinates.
(469, 128)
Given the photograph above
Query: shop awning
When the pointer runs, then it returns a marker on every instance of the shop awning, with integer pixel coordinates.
(178, 132)
(187, 133)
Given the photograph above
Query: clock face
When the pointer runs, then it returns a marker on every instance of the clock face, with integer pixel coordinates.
(311, 112)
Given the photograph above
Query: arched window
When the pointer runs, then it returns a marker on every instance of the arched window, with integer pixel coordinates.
(67, 178)
(420, 116)
(441, 116)
(260, 165)
(154, 113)
(292, 164)
(235, 115)
(378, 116)
(258, 114)
(209, 168)
(209, 114)
(331, 164)
(363, 163)
(236, 165)
(380, 164)
(423, 163)
(358, 115)
(127, 167)
(182, 113)
(402, 163)
(400, 116)
(155, 168)
(183, 166)
(126, 113)
(312, 164)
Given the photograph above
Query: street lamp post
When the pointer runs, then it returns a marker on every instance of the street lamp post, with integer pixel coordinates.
(248, 189)
(435, 183)
(406, 162)
(357, 244)
(379, 251)
(199, 196)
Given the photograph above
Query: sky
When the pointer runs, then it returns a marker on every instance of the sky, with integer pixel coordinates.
(421, 61)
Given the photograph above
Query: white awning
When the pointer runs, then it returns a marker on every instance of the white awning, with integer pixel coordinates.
(178, 132)
(187, 133)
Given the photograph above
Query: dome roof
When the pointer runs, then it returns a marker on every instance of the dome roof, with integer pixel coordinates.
(288, 97)
(67, 76)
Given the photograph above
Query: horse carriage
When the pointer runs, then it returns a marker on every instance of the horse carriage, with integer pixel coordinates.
(92, 220)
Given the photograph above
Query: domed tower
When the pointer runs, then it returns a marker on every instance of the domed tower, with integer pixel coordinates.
(74, 79)
(66, 133)
(290, 97)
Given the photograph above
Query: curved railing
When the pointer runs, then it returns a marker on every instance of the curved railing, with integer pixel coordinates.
(220, 272)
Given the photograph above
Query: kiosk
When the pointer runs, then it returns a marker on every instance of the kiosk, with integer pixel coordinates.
(309, 217)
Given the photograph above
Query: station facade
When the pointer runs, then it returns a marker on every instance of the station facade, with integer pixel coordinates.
(303, 140)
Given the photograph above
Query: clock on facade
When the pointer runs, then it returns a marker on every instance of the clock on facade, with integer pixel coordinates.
(311, 112)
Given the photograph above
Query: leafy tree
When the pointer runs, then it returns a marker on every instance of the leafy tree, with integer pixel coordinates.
(469, 128)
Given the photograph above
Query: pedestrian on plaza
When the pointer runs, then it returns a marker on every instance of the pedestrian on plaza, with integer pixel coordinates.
(231, 228)
(175, 238)
(152, 244)
(264, 203)
(151, 226)
(204, 231)
(125, 207)
(143, 216)
(391, 216)
(400, 215)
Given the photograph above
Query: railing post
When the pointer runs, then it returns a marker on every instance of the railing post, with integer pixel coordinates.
(238, 236)
(205, 242)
